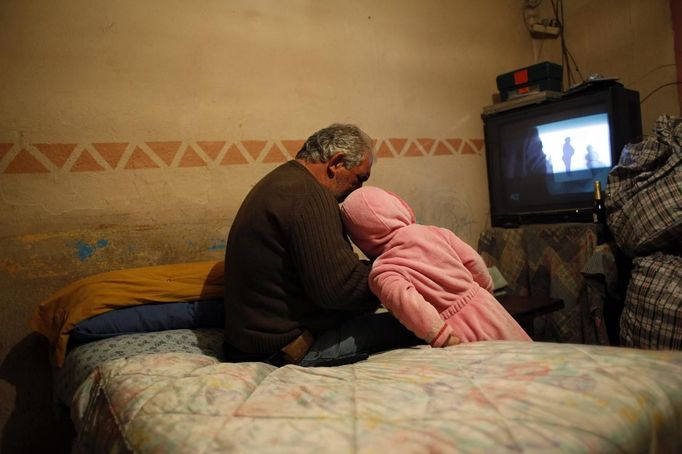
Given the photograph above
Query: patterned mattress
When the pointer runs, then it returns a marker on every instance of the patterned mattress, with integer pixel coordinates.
(478, 397)
(82, 360)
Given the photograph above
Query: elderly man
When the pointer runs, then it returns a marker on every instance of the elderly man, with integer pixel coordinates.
(295, 291)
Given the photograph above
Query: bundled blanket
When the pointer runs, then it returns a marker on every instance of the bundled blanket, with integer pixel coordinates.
(644, 192)
(644, 207)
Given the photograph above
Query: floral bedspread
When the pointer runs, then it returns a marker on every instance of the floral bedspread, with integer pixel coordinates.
(477, 397)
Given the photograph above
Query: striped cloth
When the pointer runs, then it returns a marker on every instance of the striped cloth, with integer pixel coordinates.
(652, 312)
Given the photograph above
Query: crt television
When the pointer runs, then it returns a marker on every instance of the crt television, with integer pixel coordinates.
(543, 159)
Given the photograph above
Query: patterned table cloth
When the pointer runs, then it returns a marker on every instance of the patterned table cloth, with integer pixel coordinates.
(561, 261)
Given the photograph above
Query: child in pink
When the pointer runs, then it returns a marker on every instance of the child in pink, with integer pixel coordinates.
(434, 283)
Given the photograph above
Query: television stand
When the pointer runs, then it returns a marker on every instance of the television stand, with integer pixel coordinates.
(563, 262)
(525, 309)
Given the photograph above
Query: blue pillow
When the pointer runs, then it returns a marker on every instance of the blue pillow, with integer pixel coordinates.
(150, 317)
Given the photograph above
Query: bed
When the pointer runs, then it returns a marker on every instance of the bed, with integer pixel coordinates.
(169, 391)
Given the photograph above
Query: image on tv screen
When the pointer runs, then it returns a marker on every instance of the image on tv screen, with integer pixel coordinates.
(557, 158)
(578, 151)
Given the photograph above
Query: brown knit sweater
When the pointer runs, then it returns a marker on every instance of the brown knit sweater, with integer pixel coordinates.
(288, 264)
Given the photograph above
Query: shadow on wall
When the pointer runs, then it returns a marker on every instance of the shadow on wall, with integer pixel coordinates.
(33, 425)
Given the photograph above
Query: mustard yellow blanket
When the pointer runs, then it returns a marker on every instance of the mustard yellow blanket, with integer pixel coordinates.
(56, 316)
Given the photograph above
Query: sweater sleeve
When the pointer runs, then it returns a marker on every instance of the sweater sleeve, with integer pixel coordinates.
(331, 273)
(473, 262)
(400, 297)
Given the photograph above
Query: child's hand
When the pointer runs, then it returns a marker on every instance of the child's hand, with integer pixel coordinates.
(452, 340)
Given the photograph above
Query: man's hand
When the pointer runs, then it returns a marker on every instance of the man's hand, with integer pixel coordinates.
(452, 340)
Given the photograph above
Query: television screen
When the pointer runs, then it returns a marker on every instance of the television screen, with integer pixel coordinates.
(543, 159)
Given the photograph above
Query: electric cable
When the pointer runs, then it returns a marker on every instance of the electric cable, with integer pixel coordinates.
(651, 71)
(566, 55)
(658, 88)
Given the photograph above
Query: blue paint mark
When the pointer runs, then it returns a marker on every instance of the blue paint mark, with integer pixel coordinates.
(217, 246)
(85, 250)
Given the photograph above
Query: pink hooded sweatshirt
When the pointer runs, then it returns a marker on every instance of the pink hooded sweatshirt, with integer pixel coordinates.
(433, 282)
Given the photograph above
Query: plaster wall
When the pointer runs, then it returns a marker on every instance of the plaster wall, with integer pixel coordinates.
(131, 131)
(633, 41)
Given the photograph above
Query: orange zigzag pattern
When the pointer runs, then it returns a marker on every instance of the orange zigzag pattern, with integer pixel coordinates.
(119, 156)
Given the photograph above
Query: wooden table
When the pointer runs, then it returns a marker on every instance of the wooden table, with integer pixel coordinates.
(524, 309)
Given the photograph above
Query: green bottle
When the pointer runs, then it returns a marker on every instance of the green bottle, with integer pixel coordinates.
(598, 208)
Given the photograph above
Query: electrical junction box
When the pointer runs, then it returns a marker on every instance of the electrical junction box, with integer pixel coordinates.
(545, 76)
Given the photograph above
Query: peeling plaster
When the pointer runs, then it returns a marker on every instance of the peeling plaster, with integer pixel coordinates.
(34, 237)
(31, 268)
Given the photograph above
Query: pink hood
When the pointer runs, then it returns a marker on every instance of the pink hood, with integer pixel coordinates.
(372, 216)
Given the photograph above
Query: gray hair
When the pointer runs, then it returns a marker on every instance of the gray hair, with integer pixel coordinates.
(345, 138)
